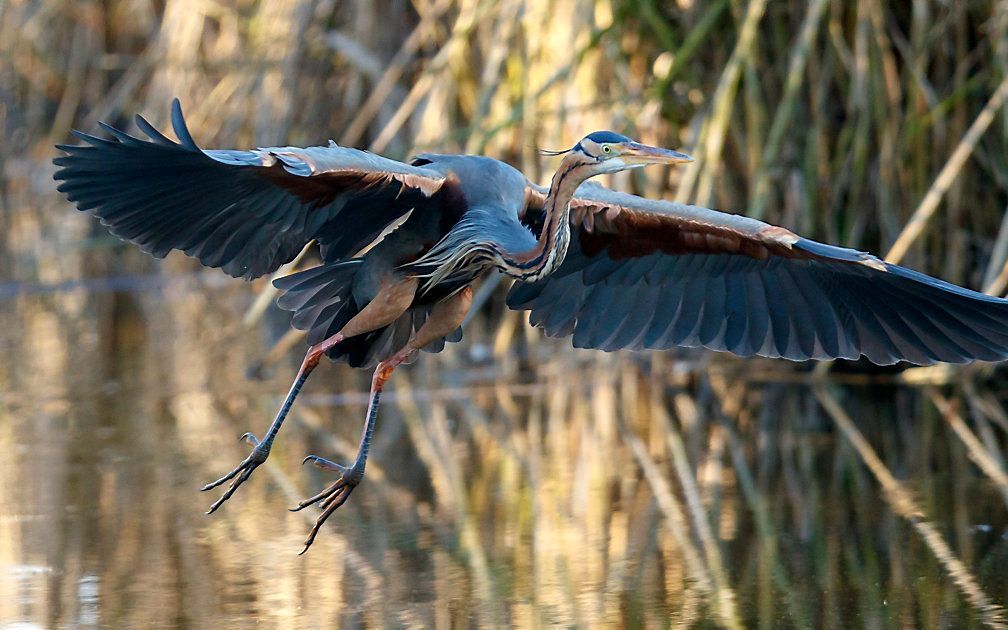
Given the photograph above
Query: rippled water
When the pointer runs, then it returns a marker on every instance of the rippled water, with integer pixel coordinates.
(513, 481)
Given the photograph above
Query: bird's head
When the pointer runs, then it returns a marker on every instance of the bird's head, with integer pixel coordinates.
(609, 152)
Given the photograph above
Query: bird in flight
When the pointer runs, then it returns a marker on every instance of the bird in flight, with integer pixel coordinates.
(402, 244)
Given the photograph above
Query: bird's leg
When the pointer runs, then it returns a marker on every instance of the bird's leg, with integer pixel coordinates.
(349, 476)
(261, 448)
(390, 302)
(445, 317)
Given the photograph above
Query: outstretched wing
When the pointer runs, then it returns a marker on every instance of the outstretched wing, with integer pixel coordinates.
(657, 274)
(247, 212)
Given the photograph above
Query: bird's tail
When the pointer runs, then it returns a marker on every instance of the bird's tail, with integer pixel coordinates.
(322, 301)
(321, 298)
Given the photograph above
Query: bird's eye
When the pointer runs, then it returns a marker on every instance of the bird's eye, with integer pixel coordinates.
(606, 148)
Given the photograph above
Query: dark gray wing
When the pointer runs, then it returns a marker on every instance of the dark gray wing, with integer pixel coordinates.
(247, 212)
(652, 274)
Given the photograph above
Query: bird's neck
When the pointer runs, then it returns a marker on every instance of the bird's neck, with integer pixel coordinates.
(551, 246)
(465, 247)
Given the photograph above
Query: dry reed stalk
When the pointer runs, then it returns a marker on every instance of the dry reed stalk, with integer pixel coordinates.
(708, 155)
(731, 399)
(977, 452)
(721, 602)
(901, 502)
(470, 12)
(922, 215)
(421, 34)
(433, 442)
(725, 596)
(995, 279)
(783, 117)
(506, 24)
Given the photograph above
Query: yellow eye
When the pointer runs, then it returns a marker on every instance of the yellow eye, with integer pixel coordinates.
(606, 148)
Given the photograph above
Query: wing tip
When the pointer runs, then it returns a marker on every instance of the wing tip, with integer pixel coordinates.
(151, 131)
(88, 138)
(179, 126)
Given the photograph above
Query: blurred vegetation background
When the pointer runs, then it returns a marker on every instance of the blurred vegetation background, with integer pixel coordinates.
(651, 490)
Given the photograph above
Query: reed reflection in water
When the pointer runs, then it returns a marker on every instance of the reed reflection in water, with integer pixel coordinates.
(510, 483)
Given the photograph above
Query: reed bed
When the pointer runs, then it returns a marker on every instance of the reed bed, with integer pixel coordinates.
(644, 490)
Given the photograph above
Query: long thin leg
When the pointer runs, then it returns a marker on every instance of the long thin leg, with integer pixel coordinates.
(262, 447)
(338, 492)
(443, 320)
(391, 302)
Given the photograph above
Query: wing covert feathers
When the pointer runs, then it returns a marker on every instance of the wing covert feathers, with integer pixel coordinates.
(645, 274)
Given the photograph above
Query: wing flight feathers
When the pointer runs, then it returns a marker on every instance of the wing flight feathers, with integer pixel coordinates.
(646, 274)
(247, 212)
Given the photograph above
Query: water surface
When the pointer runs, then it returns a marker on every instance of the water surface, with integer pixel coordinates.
(513, 481)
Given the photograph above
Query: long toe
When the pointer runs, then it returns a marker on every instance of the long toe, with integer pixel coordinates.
(241, 472)
(330, 505)
(239, 480)
(227, 477)
(335, 495)
(321, 496)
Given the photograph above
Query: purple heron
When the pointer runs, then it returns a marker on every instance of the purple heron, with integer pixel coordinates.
(610, 269)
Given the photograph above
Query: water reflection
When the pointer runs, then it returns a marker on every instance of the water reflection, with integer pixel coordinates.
(534, 486)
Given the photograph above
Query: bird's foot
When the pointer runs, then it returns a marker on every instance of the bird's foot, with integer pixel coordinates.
(332, 497)
(243, 471)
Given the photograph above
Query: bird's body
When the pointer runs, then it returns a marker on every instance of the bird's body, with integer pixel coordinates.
(401, 245)
(448, 221)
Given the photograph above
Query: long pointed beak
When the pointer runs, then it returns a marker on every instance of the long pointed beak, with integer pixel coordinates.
(637, 153)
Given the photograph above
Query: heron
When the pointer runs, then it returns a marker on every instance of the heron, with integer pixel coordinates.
(402, 244)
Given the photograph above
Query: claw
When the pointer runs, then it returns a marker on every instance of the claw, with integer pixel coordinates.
(325, 464)
(329, 506)
(331, 498)
(240, 474)
(250, 438)
(231, 490)
(321, 496)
